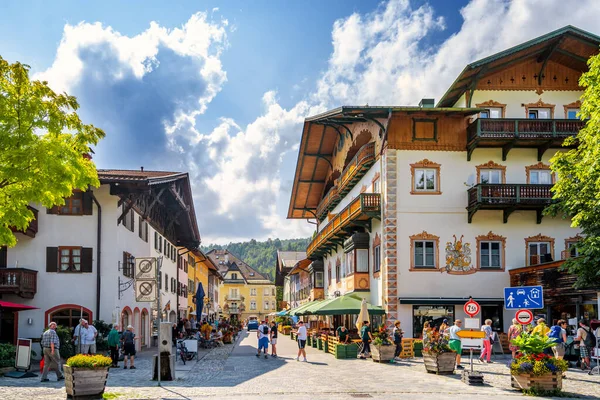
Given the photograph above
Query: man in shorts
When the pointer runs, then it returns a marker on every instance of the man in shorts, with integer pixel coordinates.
(302, 336)
(128, 340)
(454, 343)
(263, 339)
(273, 339)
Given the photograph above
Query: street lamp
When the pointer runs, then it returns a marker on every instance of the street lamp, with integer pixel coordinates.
(207, 304)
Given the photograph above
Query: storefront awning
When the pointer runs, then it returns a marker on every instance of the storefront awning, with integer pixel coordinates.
(8, 306)
(299, 310)
(448, 300)
(347, 304)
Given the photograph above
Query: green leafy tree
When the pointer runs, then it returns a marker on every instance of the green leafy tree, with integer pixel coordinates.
(42, 145)
(577, 190)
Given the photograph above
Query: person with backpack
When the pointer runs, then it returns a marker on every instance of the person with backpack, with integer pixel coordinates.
(558, 332)
(587, 341)
(263, 339)
(397, 336)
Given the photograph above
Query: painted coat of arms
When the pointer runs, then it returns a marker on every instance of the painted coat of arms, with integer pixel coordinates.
(458, 257)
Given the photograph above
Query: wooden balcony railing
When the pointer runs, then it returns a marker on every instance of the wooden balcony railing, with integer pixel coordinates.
(331, 199)
(508, 197)
(364, 207)
(356, 168)
(19, 281)
(32, 229)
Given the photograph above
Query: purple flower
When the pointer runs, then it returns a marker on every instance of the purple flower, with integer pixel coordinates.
(526, 366)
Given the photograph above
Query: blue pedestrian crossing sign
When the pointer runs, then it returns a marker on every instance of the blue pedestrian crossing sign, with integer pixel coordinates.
(528, 297)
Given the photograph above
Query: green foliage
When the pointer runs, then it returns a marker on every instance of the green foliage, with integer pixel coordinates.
(67, 347)
(88, 361)
(262, 256)
(7, 355)
(578, 187)
(103, 330)
(43, 142)
(381, 336)
(537, 364)
(533, 344)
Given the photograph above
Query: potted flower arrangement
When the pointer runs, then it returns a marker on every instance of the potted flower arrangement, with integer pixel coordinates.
(438, 357)
(382, 349)
(286, 329)
(532, 369)
(86, 375)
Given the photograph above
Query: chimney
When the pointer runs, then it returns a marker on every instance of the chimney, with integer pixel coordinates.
(142, 168)
(427, 103)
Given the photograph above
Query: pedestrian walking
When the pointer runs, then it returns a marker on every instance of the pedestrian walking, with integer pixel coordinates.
(78, 336)
(366, 337)
(263, 339)
(454, 343)
(50, 347)
(129, 347)
(273, 339)
(113, 345)
(397, 337)
(587, 340)
(342, 334)
(487, 341)
(558, 332)
(174, 334)
(89, 338)
(302, 335)
(514, 331)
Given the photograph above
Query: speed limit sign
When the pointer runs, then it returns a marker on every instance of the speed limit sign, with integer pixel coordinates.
(472, 308)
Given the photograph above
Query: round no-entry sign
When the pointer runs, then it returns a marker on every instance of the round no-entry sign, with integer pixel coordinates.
(472, 308)
(525, 317)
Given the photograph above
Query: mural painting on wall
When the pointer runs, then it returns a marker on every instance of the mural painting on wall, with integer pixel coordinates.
(458, 257)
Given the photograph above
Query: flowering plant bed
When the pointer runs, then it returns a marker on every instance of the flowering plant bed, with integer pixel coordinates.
(86, 375)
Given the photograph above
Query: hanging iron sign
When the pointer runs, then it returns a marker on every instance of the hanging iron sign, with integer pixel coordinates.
(145, 268)
(145, 290)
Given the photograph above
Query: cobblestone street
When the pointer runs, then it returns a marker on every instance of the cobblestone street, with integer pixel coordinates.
(234, 372)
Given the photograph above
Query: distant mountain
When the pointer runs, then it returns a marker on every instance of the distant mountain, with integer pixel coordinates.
(262, 256)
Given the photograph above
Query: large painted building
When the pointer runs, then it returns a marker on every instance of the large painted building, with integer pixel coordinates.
(244, 293)
(420, 207)
(79, 259)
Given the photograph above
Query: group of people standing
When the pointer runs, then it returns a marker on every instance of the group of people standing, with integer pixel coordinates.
(266, 335)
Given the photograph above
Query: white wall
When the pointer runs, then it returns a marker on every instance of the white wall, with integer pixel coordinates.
(514, 100)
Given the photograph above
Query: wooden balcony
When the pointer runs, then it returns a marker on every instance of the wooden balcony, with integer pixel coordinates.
(507, 133)
(331, 199)
(508, 198)
(359, 213)
(32, 229)
(19, 281)
(356, 168)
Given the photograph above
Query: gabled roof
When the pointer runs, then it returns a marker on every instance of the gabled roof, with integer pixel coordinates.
(232, 262)
(568, 46)
(287, 259)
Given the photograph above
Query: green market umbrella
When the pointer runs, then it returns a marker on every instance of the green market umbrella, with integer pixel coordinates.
(298, 310)
(347, 304)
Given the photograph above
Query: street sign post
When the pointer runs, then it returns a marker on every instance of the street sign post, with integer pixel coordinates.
(525, 317)
(470, 340)
(472, 308)
(516, 298)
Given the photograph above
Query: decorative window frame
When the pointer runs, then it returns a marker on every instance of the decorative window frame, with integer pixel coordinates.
(373, 181)
(567, 107)
(493, 104)
(414, 130)
(539, 104)
(427, 164)
(424, 236)
(538, 238)
(376, 243)
(491, 165)
(537, 167)
(71, 256)
(572, 239)
(492, 237)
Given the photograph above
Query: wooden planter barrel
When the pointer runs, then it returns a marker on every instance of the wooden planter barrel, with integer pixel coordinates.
(439, 363)
(382, 353)
(84, 381)
(551, 381)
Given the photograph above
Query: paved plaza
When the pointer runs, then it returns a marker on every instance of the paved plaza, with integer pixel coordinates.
(234, 372)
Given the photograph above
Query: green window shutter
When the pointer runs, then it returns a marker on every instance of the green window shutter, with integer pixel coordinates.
(51, 259)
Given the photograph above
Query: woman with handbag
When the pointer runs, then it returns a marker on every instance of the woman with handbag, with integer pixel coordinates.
(487, 341)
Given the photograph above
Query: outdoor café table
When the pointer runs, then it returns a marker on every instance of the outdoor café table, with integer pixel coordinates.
(359, 343)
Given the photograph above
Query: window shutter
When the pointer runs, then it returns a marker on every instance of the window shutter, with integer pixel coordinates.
(146, 232)
(53, 210)
(51, 259)
(87, 203)
(87, 254)
(132, 219)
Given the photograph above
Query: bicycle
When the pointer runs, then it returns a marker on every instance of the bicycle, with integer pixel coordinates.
(183, 352)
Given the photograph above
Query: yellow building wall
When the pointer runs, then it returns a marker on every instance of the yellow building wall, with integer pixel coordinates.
(249, 295)
(197, 273)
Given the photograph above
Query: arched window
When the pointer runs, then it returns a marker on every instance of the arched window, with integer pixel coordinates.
(68, 315)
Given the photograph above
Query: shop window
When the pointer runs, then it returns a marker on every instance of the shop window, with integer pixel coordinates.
(425, 177)
(493, 312)
(424, 251)
(434, 314)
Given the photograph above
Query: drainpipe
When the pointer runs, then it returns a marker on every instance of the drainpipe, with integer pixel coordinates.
(98, 255)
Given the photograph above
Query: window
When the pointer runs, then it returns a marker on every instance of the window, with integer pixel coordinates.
(3, 257)
(70, 259)
(173, 285)
(424, 251)
(160, 243)
(233, 293)
(234, 276)
(540, 177)
(376, 183)
(337, 270)
(142, 229)
(68, 317)
(129, 219)
(540, 249)
(377, 259)
(425, 177)
(491, 173)
(155, 240)
(253, 292)
(253, 305)
(539, 110)
(159, 281)
(319, 279)
(435, 314)
(166, 282)
(73, 205)
(273, 292)
(362, 260)
(273, 305)
(572, 113)
(266, 305)
(424, 129)
(493, 109)
(571, 247)
(266, 292)
(329, 273)
(128, 265)
(490, 251)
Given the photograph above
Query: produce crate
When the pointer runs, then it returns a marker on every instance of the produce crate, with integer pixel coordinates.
(346, 351)
(324, 340)
(314, 342)
(340, 351)
(309, 340)
(319, 343)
